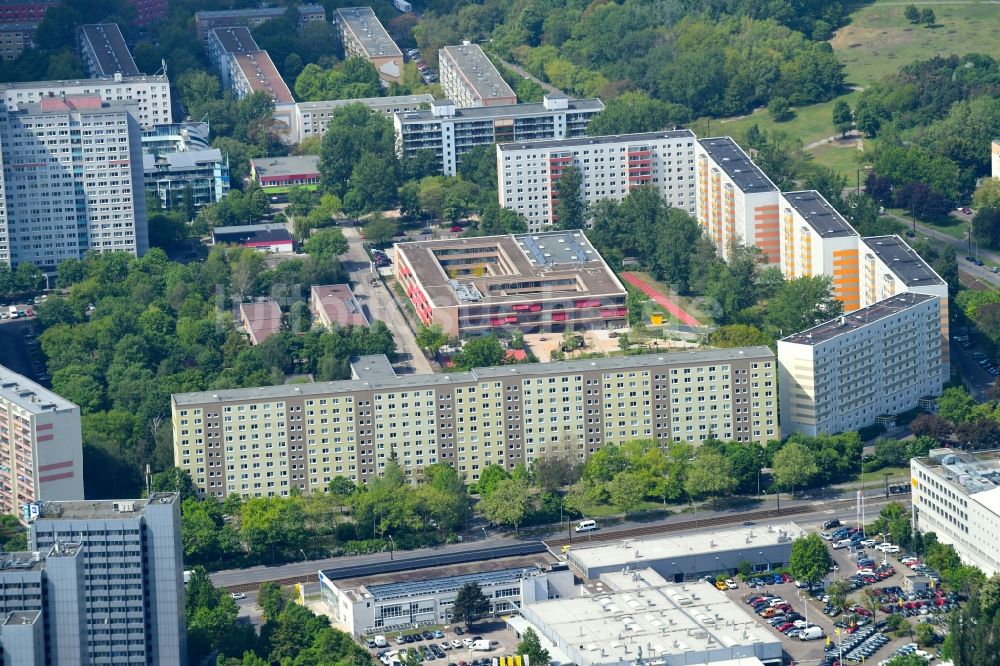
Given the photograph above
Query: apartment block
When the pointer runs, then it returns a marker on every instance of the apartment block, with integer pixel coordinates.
(104, 52)
(736, 202)
(872, 364)
(554, 281)
(149, 11)
(202, 175)
(15, 38)
(41, 449)
(42, 607)
(267, 440)
(956, 495)
(72, 181)
(133, 583)
(469, 79)
(611, 166)
(817, 240)
(312, 118)
(363, 36)
(253, 17)
(147, 97)
(24, 11)
(450, 132)
(223, 43)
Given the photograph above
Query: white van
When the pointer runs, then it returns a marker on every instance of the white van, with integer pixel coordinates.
(482, 646)
(811, 634)
(844, 543)
(380, 641)
(586, 526)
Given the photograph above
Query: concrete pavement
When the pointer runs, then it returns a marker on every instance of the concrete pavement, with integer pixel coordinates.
(379, 305)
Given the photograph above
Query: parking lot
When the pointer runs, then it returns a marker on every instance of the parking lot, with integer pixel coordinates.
(449, 645)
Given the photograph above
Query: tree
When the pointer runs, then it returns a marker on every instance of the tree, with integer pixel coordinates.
(373, 184)
(925, 635)
(530, 645)
(803, 303)
(956, 405)
(482, 352)
(634, 111)
(838, 591)
(626, 491)
(842, 117)
(490, 478)
(738, 335)
(912, 14)
(569, 208)
(794, 466)
(326, 244)
(507, 504)
(810, 560)
(352, 132)
(470, 604)
(380, 230)
(927, 17)
(779, 109)
(555, 471)
(709, 475)
(431, 338)
(272, 600)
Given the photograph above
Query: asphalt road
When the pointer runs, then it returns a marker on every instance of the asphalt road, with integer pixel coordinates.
(982, 273)
(378, 304)
(977, 380)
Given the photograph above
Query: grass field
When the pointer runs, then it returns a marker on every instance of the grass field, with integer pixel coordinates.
(879, 40)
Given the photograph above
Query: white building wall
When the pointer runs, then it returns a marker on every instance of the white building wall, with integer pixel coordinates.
(149, 95)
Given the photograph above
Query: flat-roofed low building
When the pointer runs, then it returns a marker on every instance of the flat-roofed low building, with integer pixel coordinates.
(335, 305)
(737, 202)
(637, 612)
(449, 132)
(879, 361)
(685, 558)
(263, 237)
(104, 51)
(363, 36)
(469, 79)
(312, 118)
(816, 240)
(260, 320)
(611, 167)
(683, 396)
(277, 174)
(553, 281)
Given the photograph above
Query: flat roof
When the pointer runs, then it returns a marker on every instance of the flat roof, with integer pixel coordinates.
(185, 159)
(110, 49)
(22, 617)
(121, 509)
(96, 83)
(368, 31)
(261, 74)
(819, 214)
(254, 11)
(391, 100)
(295, 165)
(725, 152)
(858, 319)
(903, 261)
(431, 585)
(641, 609)
(405, 382)
(372, 366)
(550, 257)
(338, 303)
(504, 111)
(976, 473)
(236, 39)
(478, 71)
(601, 140)
(251, 233)
(640, 552)
(30, 395)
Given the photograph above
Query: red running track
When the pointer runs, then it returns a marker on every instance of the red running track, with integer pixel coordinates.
(672, 308)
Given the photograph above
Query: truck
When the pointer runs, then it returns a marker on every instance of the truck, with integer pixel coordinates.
(13, 312)
(403, 6)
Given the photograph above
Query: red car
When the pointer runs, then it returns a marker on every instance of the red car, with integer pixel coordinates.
(29, 313)
(787, 578)
(785, 627)
(457, 228)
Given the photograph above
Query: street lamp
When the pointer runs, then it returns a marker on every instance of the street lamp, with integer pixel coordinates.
(392, 547)
(303, 554)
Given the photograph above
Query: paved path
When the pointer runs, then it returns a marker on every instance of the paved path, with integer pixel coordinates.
(672, 308)
(523, 73)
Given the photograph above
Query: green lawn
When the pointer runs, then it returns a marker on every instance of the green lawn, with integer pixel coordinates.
(879, 40)
(844, 159)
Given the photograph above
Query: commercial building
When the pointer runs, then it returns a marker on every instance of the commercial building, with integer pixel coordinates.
(42, 606)
(66, 190)
(104, 52)
(312, 118)
(363, 36)
(380, 603)
(449, 131)
(303, 435)
(133, 584)
(553, 281)
(24, 11)
(611, 167)
(469, 79)
(638, 617)
(41, 449)
(873, 363)
(264, 237)
(260, 320)
(253, 17)
(817, 240)
(15, 38)
(737, 202)
(689, 557)
(335, 305)
(149, 11)
(956, 495)
(278, 174)
(202, 175)
(147, 97)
